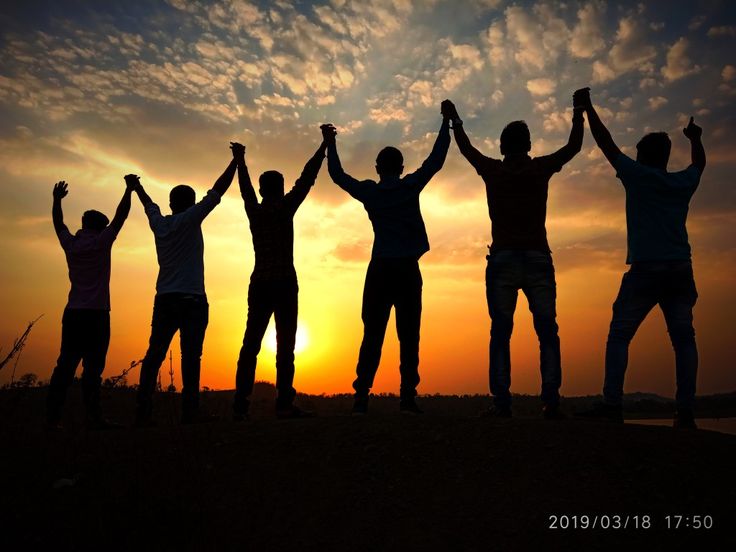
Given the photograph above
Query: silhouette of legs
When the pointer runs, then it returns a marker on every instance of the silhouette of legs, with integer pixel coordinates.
(172, 312)
(85, 336)
(264, 299)
(408, 304)
(541, 292)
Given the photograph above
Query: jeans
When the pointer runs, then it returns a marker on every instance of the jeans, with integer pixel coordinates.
(391, 282)
(266, 298)
(671, 286)
(533, 273)
(171, 312)
(85, 336)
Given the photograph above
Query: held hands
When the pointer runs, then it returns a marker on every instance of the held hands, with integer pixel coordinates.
(581, 99)
(237, 149)
(692, 131)
(60, 190)
(329, 132)
(448, 110)
(132, 181)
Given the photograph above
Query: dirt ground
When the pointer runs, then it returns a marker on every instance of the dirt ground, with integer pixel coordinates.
(446, 480)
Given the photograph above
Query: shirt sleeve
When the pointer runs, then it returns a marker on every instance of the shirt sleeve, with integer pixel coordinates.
(549, 164)
(65, 238)
(689, 178)
(627, 168)
(108, 236)
(199, 211)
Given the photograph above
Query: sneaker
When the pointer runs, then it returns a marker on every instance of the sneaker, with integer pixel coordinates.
(291, 411)
(603, 412)
(409, 406)
(194, 418)
(684, 419)
(360, 406)
(553, 412)
(497, 412)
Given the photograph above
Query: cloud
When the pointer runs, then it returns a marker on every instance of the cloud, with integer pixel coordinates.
(723, 30)
(541, 86)
(678, 64)
(728, 73)
(587, 36)
(656, 102)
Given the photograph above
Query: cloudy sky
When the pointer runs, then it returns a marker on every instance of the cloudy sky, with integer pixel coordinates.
(92, 91)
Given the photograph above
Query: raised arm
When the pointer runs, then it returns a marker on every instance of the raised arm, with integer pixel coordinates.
(226, 178)
(575, 141)
(57, 214)
(436, 159)
(354, 187)
(697, 152)
(134, 181)
(474, 157)
(121, 213)
(247, 192)
(599, 131)
(308, 177)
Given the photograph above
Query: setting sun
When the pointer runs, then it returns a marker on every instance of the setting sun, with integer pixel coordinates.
(302, 339)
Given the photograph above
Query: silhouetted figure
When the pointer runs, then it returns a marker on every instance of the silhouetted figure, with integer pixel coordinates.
(181, 302)
(519, 256)
(393, 278)
(85, 326)
(661, 270)
(273, 288)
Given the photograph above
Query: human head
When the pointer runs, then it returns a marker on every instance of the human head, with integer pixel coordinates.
(389, 162)
(94, 220)
(181, 198)
(654, 150)
(515, 139)
(271, 185)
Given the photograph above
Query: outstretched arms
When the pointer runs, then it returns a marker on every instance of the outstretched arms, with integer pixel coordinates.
(121, 213)
(433, 163)
(57, 214)
(309, 175)
(226, 178)
(597, 128)
(351, 185)
(134, 181)
(697, 152)
(246, 186)
(474, 157)
(575, 142)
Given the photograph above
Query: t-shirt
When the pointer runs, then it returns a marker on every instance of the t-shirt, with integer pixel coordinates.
(657, 203)
(180, 246)
(517, 200)
(88, 259)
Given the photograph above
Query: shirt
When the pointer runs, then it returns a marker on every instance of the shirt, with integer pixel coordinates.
(657, 203)
(272, 225)
(180, 246)
(517, 200)
(88, 260)
(393, 203)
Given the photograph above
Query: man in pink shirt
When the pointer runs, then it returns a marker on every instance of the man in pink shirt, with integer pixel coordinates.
(85, 326)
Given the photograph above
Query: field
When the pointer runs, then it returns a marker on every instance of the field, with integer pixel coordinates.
(447, 480)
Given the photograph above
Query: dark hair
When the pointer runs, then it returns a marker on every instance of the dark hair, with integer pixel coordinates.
(389, 161)
(654, 150)
(271, 185)
(181, 198)
(515, 138)
(94, 220)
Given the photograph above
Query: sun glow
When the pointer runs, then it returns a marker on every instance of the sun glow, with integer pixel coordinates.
(302, 339)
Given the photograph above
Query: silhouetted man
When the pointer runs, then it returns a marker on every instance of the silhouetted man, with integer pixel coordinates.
(393, 278)
(181, 302)
(85, 326)
(519, 257)
(273, 288)
(661, 270)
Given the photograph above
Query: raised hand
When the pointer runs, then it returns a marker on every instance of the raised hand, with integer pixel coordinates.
(132, 181)
(692, 131)
(60, 190)
(448, 110)
(237, 149)
(581, 98)
(329, 132)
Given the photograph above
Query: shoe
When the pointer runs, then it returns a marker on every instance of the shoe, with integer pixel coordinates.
(290, 412)
(102, 424)
(497, 412)
(603, 412)
(684, 419)
(193, 418)
(553, 412)
(360, 406)
(409, 406)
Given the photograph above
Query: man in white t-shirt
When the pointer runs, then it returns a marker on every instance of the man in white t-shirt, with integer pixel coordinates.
(85, 326)
(181, 302)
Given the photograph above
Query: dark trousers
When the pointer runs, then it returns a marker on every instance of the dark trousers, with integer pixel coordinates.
(266, 298)
(533, 273)
(671, 286)
(85, 336)
(189, 314)
(391, 283)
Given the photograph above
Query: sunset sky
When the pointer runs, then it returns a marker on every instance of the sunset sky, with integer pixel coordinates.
(92, 91)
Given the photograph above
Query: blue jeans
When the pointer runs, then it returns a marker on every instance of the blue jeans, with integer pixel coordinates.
(671, 286)
(533, 273)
